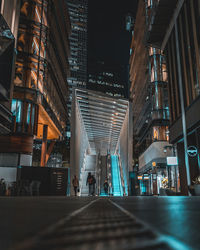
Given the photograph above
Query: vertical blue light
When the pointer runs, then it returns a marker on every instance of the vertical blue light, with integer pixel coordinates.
(142, 187)
(116, 180)
(125, 181)
(13, 107)
(155, 77)
(28, 113)
(16, 109)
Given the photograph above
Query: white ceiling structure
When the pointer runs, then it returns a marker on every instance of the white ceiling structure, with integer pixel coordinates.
(102, 117)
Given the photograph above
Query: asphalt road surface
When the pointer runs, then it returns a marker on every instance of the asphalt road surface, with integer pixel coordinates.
(56, 223)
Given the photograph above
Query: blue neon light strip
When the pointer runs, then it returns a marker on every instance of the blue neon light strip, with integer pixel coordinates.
(116, 180)
(124, 178)
(125, 181)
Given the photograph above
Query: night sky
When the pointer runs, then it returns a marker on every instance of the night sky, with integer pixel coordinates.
(108, 39)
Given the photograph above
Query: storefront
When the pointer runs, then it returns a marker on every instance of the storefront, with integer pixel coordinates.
(160, 179)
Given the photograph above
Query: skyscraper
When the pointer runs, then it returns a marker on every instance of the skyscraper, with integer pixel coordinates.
(78, 12)
(107, 78)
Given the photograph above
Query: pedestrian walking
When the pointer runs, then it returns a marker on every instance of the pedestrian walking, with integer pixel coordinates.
(2, 187)
(105, 186)
(75, 183)
(93, 185)
(90, 183)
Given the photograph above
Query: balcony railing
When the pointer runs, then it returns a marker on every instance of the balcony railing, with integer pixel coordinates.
(160, 114)
(5, 120)
(50, 112)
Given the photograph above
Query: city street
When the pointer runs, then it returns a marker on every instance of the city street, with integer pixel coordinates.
(99, 124)
(99, 223)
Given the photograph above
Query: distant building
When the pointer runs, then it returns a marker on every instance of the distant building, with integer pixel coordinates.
(179, 37)
(40, 83)
(149, 96)
(78, 12)
(107, 78)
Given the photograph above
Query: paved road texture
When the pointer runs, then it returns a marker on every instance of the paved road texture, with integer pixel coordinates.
(78, 223)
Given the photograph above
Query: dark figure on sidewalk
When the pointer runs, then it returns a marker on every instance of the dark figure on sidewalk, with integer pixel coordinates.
(75, 183)
(105, 186)
(90, 182)
(93, 185)
(2, 187)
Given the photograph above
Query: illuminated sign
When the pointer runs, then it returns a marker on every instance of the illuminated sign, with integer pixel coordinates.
(172, 161)
(139, 177)
(153, 163)
(192, 151)
(146, 177)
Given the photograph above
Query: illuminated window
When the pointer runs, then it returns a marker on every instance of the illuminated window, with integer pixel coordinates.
(150, 51)
(28, 113)
(160, 133)
(16, 109)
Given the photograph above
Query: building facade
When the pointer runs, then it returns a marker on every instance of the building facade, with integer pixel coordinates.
(181, 42)
(106, 78)
(9, 18)
(148, 92)
(78, 12)
(40, 82)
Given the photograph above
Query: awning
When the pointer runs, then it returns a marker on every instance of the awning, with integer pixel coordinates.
(103, 117)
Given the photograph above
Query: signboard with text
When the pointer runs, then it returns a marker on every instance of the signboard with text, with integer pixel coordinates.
(172, 161)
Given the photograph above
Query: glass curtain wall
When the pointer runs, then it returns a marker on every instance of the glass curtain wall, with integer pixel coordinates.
(31, 62)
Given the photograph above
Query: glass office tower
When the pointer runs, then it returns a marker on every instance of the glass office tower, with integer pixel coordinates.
(78, 12)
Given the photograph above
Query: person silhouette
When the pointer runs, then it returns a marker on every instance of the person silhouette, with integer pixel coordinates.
(75, 184)
(90, 183)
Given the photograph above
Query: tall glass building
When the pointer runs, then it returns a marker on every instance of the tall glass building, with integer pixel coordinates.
(106, 78)
(78, 12)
